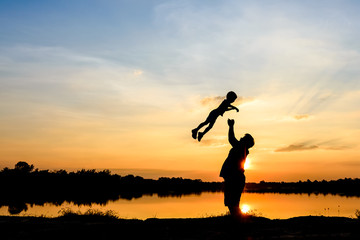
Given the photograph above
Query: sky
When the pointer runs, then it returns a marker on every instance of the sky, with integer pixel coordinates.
(119, 85)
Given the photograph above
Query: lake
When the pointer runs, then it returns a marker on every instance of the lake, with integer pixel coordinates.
(270, 205)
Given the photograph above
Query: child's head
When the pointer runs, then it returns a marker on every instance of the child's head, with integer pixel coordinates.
(249, 141)
(231, 96)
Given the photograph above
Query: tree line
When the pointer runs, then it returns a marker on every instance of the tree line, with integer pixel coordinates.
(345, 187)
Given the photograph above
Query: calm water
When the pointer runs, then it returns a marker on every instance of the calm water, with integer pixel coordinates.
(268, 205)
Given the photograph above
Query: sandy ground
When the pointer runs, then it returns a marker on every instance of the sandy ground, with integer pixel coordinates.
(249, 227)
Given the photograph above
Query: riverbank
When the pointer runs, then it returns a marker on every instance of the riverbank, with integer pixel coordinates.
(249, 227)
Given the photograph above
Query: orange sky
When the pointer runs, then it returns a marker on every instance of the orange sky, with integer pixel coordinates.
(162, 141)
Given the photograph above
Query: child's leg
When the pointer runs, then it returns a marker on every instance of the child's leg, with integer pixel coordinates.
(209, 120)
(211, 124)
(201, 125)
(195, 130)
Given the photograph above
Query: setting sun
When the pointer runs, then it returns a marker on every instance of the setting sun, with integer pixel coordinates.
(247, 164)
(245, 208)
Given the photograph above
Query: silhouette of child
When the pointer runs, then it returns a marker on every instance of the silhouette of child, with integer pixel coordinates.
(214, 114)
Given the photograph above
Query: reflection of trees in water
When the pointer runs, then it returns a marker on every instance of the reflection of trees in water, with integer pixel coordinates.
(17, 207)
(20, 206)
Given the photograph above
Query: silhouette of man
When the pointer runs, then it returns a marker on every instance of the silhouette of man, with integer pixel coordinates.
(233, 169)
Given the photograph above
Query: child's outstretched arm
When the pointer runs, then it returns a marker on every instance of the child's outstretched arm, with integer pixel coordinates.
(231, 107)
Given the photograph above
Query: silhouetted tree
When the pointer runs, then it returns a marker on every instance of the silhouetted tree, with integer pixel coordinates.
(24, 167)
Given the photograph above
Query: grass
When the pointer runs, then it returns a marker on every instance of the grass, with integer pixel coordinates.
(90, 214)
(96, 214)
(112, 215)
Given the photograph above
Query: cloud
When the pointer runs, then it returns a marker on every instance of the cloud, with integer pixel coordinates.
(315, 99)
(301, 116)
(218, 141)
(211, 101)
(297, 147)
(138, 72)
(327, 145)
(67, 83)
(338, 147)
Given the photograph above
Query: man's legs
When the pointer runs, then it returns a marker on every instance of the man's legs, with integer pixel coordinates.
(232, 194)
(234, 211)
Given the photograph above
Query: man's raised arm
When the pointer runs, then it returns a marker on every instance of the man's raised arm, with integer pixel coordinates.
(231, 135)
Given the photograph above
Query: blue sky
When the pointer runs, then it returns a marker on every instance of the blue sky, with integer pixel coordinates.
(83, 80)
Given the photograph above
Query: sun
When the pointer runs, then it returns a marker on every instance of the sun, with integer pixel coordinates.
(245, 208)
(247, 164)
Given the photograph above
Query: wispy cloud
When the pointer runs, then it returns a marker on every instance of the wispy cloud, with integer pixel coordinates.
(313, 100)
(310, 145)
(297, 147)
(219, 141)
(336, 144)
(138, 72)
(212, 101)
(338, 147)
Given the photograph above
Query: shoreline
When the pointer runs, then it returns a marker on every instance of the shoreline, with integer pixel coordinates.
(223, 227)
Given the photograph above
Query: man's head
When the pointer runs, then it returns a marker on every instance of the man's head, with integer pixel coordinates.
(249, 140)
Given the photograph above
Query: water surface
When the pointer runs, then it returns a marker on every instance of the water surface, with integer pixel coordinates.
(270, 205)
